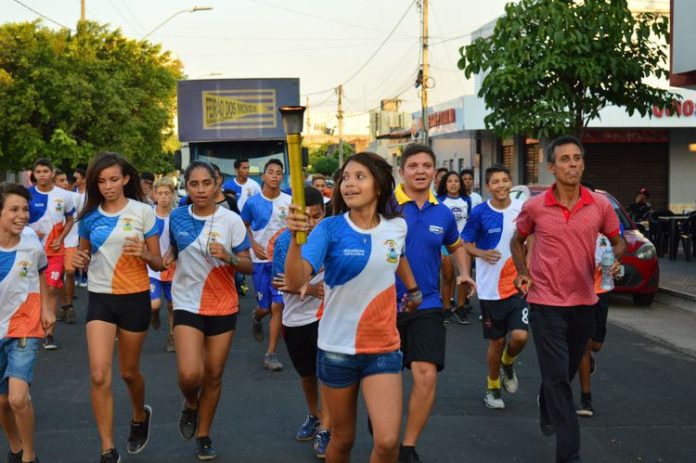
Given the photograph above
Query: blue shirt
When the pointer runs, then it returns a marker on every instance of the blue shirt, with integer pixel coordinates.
(429, 229)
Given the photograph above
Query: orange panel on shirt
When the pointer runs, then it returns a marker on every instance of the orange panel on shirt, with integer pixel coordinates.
(26, 321)
(52, 236)
(506, 283)
(130, 276)
(377, 331)
(219, 296)
(168, 275)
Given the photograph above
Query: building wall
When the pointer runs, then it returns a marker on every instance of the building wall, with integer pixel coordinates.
(682, 170)
(454, 153)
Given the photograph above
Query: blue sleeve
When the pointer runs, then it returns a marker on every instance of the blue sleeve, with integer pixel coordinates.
(243, 246)
(182, 201)
(280, 252)
(472, 227)
(451, 230)
(247, 214)
(83, 228)
(314, 251)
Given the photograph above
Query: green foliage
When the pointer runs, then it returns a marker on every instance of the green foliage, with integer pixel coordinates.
(324, 158)
(326, 166)
(552, 65)
(71, 95)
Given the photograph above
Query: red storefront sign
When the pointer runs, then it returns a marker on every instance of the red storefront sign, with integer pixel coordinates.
(448, 116)
(626, 136)
(686, 108)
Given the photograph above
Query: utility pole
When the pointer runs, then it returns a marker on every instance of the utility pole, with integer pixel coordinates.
(424, 73)
(339, 116)
(83, 7)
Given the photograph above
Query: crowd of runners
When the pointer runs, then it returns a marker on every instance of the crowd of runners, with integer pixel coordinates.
(350, 304)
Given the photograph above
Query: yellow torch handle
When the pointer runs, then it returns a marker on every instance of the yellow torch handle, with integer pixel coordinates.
(296, 178)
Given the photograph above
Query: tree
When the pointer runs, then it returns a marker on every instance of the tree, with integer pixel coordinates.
(324, 158)
(552, 65)
(70, 95)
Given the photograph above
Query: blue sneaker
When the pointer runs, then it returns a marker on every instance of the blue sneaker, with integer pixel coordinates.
(308, 429)
(321, 442)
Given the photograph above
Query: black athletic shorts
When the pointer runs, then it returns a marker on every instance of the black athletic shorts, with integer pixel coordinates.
(301, 342)
(601, 311)
(500, 317)
(209, 325)
(423, 337)
(130, 312)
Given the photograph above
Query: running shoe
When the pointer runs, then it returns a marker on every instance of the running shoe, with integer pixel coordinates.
(60, 314)
(493, 399)
(205, 449)
(256, 328)
(308, 429)
(271, 362)
(14, 457)
(321, 442)
(408, 455)
(49, 343)
(171, 347)
(460, 316)
(155, 321)
(509, 378)
(69, 315)
(83, 281)
(188, 422)
(593, 364)
(585, 406)
(110, 456)
(139, 433)
(447, 315)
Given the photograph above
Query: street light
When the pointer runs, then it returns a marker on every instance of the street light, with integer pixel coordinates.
(191, 10)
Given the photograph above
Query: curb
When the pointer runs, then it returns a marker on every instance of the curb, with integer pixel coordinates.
(678, 299)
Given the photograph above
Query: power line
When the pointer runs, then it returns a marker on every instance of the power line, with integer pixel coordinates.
(135, 18)
(118, 11)
(449, 58)
(42, 15)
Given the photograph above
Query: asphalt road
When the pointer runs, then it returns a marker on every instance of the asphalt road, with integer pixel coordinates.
(643, 397)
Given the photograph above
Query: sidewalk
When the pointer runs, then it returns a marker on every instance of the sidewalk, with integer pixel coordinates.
(678, 277)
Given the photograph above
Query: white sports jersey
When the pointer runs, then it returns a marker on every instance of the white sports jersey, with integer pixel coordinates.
(162, 226)
(296, 312)
(243, 192)
(47, 212)
(202, 283)
(459, 208)
(491, 228)
(110, 271)
(265, 217)
(20, 299)
(360, 283)
(476, 199)
(72, 239)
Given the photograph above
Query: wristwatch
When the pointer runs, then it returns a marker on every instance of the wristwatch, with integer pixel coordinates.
(233, 260)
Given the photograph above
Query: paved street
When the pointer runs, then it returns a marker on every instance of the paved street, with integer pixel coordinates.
(642, 394)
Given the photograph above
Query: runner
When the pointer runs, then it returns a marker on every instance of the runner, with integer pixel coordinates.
(118, 239)
(24, 315)
(450, 194)
(51, 217)
(487, 237)
(301, 317)
(360, 249)
(430, 226)
(473, 198)
(243, 186)
(210, 245)
(161, 282)
(79, 188)
(67, 311)
(264, 214)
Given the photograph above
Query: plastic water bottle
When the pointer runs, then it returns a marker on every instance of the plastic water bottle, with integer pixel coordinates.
(606, 264)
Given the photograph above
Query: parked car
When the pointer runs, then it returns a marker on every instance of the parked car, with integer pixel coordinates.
(642, 272)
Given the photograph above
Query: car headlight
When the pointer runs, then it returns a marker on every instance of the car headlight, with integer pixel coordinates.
(646, 252)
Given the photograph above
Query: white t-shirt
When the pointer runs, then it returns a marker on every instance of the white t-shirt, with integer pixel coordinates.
(202, 283)
(476, 199)
(243, 192)
(459, 208)
(47, 213)
(72, 239)
(20, 298)
(265, 217)
(110, 271)
(162, 226)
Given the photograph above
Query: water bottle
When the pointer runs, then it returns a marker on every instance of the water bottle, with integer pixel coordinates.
(606, 264)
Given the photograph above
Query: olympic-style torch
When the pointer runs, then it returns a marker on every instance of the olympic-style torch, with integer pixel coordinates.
(293, 116)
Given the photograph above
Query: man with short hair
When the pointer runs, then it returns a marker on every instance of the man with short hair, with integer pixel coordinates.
(641, 208)
(264, 215)
(486, 236)
(559, 282)
(51, 216)
(147, 181)
(473, 198)
(243, 186)
(431, 225)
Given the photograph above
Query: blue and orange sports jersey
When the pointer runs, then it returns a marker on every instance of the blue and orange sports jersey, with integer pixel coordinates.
(72, 239)
(202, 283)
(265, 217)
(243, 192)
(296, 311)
(429, 229)
(162, 226)
(47, 213)
(359, 277)
(20, 299)
(110, 271)
(491, 228)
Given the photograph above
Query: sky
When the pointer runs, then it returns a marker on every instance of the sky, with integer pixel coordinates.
(323, 42)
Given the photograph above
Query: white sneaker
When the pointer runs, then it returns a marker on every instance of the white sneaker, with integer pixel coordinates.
(493, 399)
(509, 378)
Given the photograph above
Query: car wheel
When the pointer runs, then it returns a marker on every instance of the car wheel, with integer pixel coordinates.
(643, 299)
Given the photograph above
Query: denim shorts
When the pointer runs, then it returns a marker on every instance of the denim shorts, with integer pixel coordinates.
(343, 370)
(17, 360)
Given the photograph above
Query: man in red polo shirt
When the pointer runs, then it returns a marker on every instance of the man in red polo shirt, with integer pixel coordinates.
(559, 283)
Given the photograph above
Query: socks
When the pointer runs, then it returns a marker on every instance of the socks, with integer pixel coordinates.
(506, 359)
(493, 383)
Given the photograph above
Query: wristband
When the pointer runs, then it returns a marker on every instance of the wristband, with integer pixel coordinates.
(416, 297)
(233, 260)
(413, 290)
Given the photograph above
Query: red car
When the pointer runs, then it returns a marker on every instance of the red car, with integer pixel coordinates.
(642, 272)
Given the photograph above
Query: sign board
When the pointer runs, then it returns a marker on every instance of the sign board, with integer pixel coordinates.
(234, 109)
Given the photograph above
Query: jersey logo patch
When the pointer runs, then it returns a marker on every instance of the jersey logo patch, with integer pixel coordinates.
(127, 224)
(392, 255)
(436, 229)
(59, 205)
(353, 252)
(23, 268)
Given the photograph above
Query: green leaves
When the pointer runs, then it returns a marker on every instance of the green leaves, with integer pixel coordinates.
(551, 65)
(71, 95)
